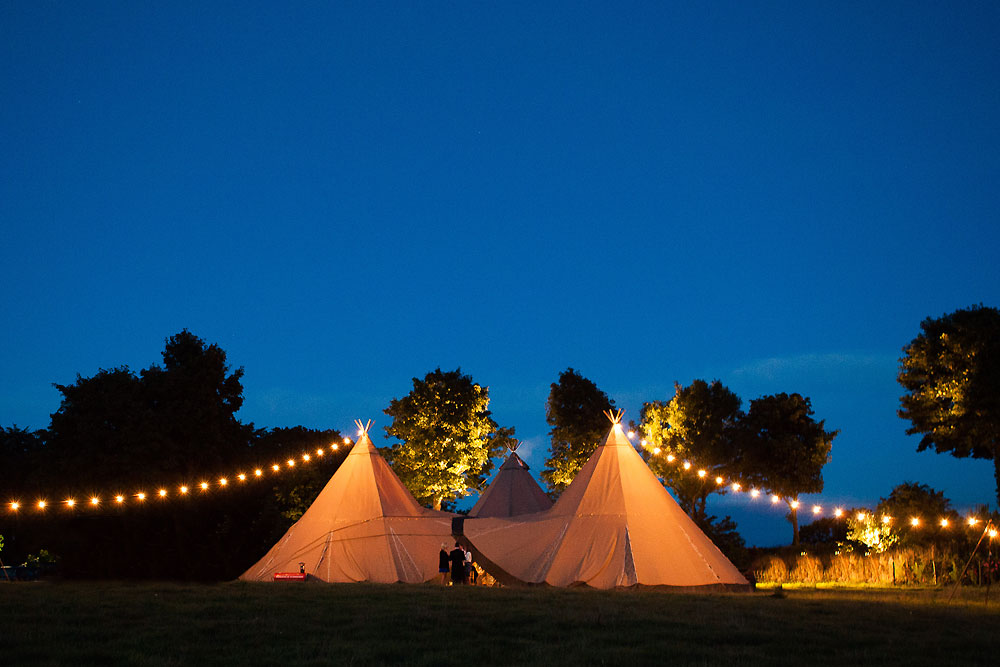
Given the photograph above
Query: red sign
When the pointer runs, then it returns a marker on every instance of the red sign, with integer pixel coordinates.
(289, 576)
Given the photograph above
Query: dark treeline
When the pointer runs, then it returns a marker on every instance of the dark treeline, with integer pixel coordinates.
(167, 425)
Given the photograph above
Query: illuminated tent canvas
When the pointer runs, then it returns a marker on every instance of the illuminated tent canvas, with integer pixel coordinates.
(615, 525)
(364, 526)
(512, 492)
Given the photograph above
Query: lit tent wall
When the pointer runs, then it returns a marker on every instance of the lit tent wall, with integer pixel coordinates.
(614, 526)
(512, 492)
(364, 526)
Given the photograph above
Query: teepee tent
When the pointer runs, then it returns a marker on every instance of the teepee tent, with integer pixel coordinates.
(512, 492)
(614, 526)
(364, 526)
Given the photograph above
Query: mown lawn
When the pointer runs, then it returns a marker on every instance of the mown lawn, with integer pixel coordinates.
(62, 623)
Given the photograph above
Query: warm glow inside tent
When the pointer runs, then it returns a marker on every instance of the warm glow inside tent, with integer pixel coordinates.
(364, 526)
(614, 526)
(512, 492)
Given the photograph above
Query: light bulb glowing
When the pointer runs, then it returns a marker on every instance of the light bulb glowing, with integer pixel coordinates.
(944, 523)
(631, 434)
(347, 440)
(719, 480)
(70, 502)
(702, 473)
(755, 493)
(687, 465)
(670, 458)
(140, 496)
(258, 472)
(15, 506)
(794, 504)
(305, 457)
(643, 442)
(993, 533)
(223, 481)
(162, 493)
(291, 463)
(95, 501)
(183, 490)
(862, 516)
(915, 522)
(319, 452)
(838, 512)
(817, 509)
(334, 447)
(887, 519)
(241, 477)
(119, 499)
(204, 486)
(41, 504)
(657, 450)
(775, 499)
(275, 467)
(736, 486)
(972, 521)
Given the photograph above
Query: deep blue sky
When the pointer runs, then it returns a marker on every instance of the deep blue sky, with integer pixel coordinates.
(347, 195)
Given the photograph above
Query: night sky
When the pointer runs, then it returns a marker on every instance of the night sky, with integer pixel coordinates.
(347, 195)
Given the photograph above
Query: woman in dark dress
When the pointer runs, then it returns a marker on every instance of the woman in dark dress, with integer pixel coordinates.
(444, 564)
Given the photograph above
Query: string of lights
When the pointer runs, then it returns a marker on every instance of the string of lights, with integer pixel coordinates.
(818, 510)
(220, 482)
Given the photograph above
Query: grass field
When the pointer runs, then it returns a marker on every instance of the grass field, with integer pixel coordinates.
(62, 623)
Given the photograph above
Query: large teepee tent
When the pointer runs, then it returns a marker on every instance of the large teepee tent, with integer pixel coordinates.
(512, 492)
(615, 525)
(364, 526)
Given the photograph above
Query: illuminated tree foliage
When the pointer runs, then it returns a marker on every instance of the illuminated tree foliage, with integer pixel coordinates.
(447, 437)
(785, 449)
(575, 411)
(701, 423)
(951, 374)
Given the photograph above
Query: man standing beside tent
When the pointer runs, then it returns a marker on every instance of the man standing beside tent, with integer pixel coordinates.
(457, 557)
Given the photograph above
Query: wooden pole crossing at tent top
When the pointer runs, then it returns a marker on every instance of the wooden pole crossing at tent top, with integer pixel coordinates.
(512, 446)
(614, 415)
(362, 427)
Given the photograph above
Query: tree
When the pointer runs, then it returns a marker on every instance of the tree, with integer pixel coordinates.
(575, 411)
(447, 437)
(909, 501)
(785, 449)
(951, 374)
(701, 424)
(19, 449)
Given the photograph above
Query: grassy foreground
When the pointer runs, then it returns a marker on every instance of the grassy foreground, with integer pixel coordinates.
(54, 623)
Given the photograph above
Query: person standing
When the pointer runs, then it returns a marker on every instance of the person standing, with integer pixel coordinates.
(457, 558)
(469, 571)
(444, 564)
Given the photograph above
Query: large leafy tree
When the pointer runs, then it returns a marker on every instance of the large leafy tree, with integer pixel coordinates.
(701, 424)
(575, 411)
(447, 437)
(909, 501)
(785, 449)
(951, 374)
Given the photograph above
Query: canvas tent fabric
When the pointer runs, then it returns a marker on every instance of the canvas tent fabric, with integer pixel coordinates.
(512, 492)
(614, 526)
(364, 526)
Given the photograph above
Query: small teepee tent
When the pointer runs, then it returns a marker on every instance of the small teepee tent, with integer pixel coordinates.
(512, 492)
(364, 526)
(614, 526)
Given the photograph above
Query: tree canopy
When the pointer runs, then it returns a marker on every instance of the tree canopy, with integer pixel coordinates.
(447, 437)
(909, 501)
(702, 423)
(575, 411)
(785, 449)
(951, 374)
